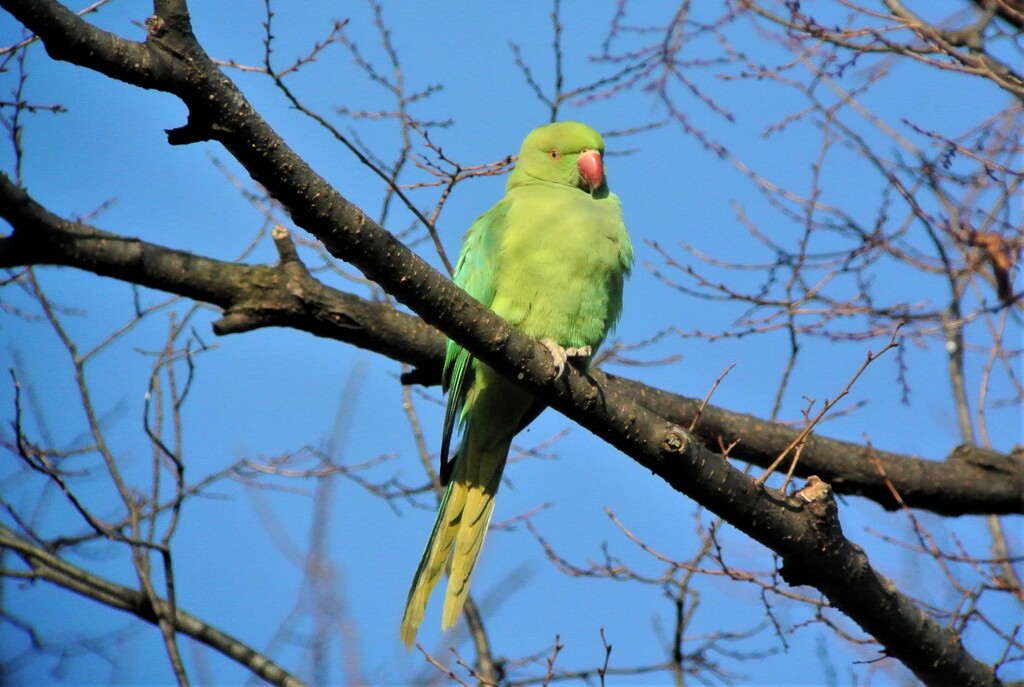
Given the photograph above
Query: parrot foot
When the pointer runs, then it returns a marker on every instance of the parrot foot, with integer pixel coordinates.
(561, 355)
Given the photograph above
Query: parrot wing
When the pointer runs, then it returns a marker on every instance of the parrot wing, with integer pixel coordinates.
(474, 273)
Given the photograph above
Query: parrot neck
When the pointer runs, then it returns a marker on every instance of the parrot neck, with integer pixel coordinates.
(520, 177)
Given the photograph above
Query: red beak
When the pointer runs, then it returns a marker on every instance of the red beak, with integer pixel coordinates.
(591, 168)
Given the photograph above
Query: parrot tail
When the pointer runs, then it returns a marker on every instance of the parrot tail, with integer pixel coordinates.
(462, 520)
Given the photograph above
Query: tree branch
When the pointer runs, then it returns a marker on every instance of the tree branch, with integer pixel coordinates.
(803, 529)
(44, 565)
(970, 480)
(251, 296)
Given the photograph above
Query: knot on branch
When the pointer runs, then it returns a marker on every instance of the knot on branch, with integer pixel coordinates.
(195, 130)
(238, 320)
(814, 491)
(156, 26)
(817, 499)
(297, 278)
(675, 441)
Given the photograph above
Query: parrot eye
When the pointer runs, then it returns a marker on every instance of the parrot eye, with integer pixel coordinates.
(554, 154)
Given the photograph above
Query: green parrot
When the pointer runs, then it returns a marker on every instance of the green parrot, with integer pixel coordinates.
(550, 258)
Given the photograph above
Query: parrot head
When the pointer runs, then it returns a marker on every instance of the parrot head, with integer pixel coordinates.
(567, 153)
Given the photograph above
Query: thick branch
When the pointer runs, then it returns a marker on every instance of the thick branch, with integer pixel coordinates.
(803, 537)
(969, 481)
(46, 566)
(251, 296)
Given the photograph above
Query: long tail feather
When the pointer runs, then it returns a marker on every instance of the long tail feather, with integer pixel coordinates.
(462, 520)
(446, 526)
(476, 517)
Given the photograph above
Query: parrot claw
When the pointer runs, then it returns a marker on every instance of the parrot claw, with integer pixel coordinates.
(561, 355)
(558, 356)
(579, 352)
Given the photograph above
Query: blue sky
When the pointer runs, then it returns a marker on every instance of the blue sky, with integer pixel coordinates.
(265, 393)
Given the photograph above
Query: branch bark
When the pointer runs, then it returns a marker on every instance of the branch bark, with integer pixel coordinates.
(803, 530)
(46, 566)
(970, 480)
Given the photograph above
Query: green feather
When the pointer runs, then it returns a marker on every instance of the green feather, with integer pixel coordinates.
(550, 258)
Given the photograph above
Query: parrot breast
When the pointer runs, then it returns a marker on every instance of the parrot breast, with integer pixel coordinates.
(562, 264)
